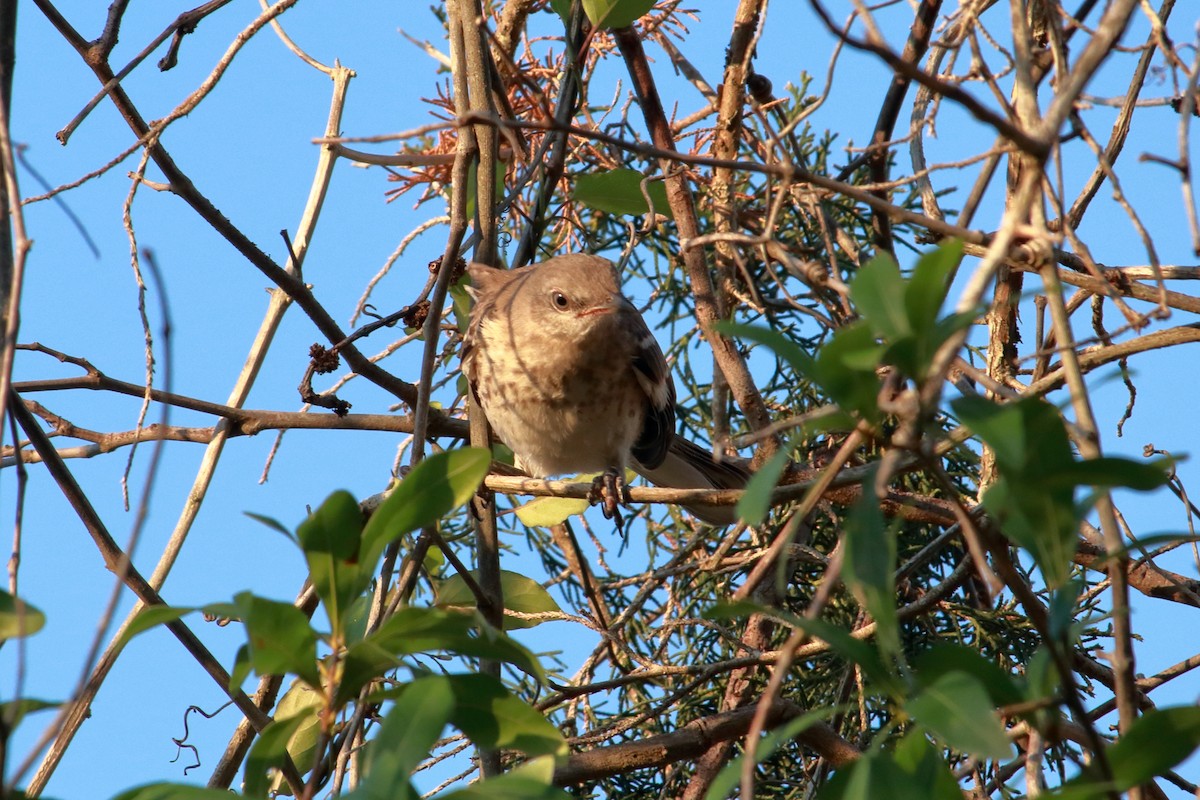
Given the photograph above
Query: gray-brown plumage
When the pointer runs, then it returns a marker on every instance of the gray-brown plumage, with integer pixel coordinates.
(572, 380)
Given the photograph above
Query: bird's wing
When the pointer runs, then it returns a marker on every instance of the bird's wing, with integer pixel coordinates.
(689, 466)
(650, 368)
(486, 283)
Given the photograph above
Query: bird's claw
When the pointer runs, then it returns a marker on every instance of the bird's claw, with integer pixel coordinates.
(608, 489)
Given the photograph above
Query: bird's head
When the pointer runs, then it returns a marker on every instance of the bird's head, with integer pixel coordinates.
(572, 297)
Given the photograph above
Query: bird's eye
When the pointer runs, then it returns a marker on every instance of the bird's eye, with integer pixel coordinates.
(560, 301)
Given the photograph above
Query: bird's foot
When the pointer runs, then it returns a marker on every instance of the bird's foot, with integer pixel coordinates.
(608, 489)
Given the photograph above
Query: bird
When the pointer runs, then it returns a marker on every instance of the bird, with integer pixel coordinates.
(572, 380)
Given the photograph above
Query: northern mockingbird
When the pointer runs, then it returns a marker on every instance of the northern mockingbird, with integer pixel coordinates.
(572, 380)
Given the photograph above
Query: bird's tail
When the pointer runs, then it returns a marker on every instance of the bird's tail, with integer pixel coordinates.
(689, 466)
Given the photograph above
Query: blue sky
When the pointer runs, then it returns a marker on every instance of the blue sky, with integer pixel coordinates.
(249, 148)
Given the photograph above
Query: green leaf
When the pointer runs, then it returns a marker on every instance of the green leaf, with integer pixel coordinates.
(418, 630)
(461, 302)
(958, 710)
(1041, 676)
(856, 651)
(941, 659)
(1027, 436)
(269, 751)
(1113, 471)
(13, 711)
(149, 617)
(562, 8)
(18, 618)
(926, 288)
(924, 770)
(407, 632)
(1155, 743)
(434, 561)
(521, 594)
(439, 484)
(796, 356)
(852, 347)
(530, 781)
(1061, 609)
(473, 182)
(484, 710)
(365, 661)
(241, 666)
(870, 563)
(493, 717)
(357, 617)
(279, 638)
(405, 738)
(853, 650)
(271, 523)
(334, 528)
(877, 290)
(948, 326)
(173, 791)
(330, 538)
(730, 775)
(914, 771)
(616, 13)
(542, 512)
(845, 368)
(619, 191)
(755, 502)
(1079, 791)
(904, 314)
(303, 703)
(736, 610)
(1034, 499)
(1001, 427)
(1039, 519)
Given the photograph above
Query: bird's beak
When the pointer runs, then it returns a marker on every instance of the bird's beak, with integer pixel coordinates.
(610, 307)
